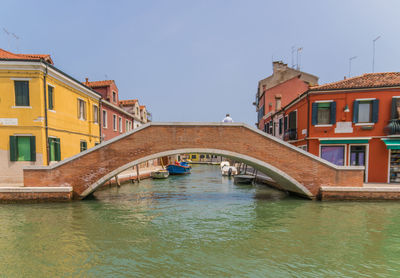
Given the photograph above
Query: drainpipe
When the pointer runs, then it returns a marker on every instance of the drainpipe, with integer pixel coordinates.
(308, 122)
(45, 116)
(100, 120)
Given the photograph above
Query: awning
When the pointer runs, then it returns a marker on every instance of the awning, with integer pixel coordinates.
(345, 141)
(392, 144)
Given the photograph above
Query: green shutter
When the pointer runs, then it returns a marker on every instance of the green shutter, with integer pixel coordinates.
(58, 149)
(50, 94)
(355, 111)
(33, 148)
(375, 110)
(21, 93)
(394, 115)
(13, 148)
(314, 113)
(333, 112)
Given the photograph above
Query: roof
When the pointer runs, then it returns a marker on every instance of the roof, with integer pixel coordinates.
(142, 107)
(128, 102)
(101, 83)
(9, 55)
(367, 80)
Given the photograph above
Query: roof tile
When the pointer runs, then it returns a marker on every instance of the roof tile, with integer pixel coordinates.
(8, 55)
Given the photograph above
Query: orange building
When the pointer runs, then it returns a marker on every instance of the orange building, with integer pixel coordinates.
(355, 121)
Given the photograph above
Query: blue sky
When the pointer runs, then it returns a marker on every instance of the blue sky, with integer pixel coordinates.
(197, 60)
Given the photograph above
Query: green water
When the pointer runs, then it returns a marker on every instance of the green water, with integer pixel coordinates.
(199, 225)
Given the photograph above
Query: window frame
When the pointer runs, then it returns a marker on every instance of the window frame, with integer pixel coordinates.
(104, 115)
(95, 115)
(14, 153)
(83, 145)
(25, 105)
(115, 128)
(82, 115)
(334, 145)
(370, 102)
(120, 124)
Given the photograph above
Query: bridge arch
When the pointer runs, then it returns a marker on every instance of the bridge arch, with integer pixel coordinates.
(287, 182)
(294, 169)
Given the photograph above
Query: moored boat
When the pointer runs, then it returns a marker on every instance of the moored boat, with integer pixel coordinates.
(160, 174)
(243, 179)
(179, 169)
(227, 170)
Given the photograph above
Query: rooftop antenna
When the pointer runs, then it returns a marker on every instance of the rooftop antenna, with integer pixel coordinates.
(297, 58)
(17, 39)
(350, 59)
(293, 50)
(373, 52)
(8, 37)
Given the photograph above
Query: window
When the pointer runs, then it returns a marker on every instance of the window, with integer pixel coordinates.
(50, 94)
(54, 149)
(104, 118)
(114, 96)
(193, 156)
(334, 154)
(120, 124)
(21, 93)
(357, 155)
(280, 126)
(324, 113)
(83, 146)
(395, 108)
(95, 114)
(22, 148)
(365, 111)
(115, 122)
(81, 109)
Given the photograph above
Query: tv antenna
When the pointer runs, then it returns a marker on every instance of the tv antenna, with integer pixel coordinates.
(299, 49)
(350, 59)
(373, 52)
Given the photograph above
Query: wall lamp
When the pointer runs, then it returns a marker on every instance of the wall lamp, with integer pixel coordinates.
(346, 108)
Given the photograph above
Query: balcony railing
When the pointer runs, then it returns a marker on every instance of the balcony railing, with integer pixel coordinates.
(290, 134)
(393, 128)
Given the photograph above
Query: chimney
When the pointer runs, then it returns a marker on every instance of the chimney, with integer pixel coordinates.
(279, 66)
(87, 80)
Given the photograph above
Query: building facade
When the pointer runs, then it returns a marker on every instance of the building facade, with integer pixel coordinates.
(353, 122)
(279, 89)
(45, 116)
(114, 119)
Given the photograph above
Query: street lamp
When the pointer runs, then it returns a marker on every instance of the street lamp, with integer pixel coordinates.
(373, 52)
(350, 59)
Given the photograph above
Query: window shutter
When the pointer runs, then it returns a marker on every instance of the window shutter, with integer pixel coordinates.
(394, 109)
(58, 149)
(33, 148)
(375, 110)
(13, 148)
(285, 123)
(314, 114)
(78, 110)
(50, 94)
(355, 111)
(333, 112)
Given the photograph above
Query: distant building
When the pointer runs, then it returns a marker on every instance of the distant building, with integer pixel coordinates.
(45, 115)
(277, 90)
(132, 106)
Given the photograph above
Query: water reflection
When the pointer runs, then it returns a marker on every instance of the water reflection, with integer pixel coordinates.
(199, 225)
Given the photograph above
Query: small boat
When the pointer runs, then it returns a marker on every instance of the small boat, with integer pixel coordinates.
(243, 179)
(179, 169)
(227, 170)
(160, 174)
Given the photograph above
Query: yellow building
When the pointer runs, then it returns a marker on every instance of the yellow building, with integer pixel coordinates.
(45, 115)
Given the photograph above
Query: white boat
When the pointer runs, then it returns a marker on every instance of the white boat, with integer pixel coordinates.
(227, 170)
(160, 174)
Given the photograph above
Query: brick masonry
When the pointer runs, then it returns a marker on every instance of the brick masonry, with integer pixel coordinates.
(84, 170)
(7, 197)
(358, 195)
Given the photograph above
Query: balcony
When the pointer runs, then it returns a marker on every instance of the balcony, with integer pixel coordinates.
(290, 134)
(393, 128)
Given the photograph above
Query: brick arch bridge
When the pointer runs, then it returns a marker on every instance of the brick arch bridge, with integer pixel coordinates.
(292, 168)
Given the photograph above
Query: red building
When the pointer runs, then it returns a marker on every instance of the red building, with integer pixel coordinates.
(353, 122)
(114, 119)
(279, 89)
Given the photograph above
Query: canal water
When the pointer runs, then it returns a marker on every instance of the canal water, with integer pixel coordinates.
(199, 225)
